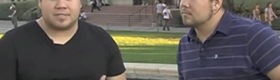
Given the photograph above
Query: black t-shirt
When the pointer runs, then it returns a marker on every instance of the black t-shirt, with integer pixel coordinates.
(27, 53)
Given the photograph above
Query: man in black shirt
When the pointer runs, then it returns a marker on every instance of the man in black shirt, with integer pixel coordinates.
(59, 47)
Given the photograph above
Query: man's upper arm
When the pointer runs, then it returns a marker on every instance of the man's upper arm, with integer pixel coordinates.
(179, 59)
(264, 49)
(116, 69)
(7, 59)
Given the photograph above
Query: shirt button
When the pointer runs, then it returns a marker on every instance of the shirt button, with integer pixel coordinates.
(201, 49)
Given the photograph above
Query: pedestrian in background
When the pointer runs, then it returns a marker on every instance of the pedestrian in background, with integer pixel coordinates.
(13, 9)
(269, 14)
(95, 5)
(159, 9)
(257, 13)
(167, 15)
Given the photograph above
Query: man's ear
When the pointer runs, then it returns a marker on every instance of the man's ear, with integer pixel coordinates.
(81, 4)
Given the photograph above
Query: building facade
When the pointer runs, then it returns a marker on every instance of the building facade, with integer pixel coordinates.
(134, 2)
(8, 1)
(114, 2)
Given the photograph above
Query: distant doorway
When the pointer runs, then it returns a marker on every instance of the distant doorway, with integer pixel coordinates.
(137, 2)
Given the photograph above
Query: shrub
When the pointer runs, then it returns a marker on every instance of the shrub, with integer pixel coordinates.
(28, 14)
(22, 7)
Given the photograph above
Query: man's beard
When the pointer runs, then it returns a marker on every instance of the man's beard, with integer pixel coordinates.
(57, 28)
(196, 22)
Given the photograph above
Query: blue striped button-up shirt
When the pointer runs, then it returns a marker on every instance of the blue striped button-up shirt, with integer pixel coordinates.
(239, 49)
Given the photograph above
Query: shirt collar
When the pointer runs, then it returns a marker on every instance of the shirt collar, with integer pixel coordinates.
(223, 26)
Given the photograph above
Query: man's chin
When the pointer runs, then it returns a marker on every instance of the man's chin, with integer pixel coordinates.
(189, 24)
(61, 27)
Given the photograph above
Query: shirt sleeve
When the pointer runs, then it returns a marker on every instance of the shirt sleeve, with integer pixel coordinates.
(7, 59)
(180, 76)
(116, 65)
(263, 47)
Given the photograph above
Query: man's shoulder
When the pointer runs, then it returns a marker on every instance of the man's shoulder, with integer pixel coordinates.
(246, 23)
(249, 26)
(22, 30)
(185, 37)
(90, 26)
(92, 29)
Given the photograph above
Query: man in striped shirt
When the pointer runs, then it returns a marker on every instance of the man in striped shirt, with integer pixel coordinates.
(223, 46)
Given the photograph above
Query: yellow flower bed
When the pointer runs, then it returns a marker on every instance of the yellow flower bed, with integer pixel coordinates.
(127, 40)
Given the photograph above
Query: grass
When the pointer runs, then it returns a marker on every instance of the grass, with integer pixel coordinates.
(147, 47)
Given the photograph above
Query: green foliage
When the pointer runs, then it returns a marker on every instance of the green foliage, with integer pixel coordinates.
(249, 4)
(147, 47)
(4, 11)
(28, 14)
(246, 6)
(21, 8)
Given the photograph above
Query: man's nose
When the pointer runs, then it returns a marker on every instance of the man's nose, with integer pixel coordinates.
(61, 4)
(185, 3)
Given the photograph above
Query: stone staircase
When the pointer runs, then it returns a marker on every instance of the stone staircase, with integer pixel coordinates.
(119, 16)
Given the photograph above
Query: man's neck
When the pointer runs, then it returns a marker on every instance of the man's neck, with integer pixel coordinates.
(62, 35)
(205, 30)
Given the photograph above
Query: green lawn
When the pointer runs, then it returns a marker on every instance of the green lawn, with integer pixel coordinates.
(147, 47)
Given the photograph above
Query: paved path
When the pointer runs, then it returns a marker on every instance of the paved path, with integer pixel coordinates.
(7, 25)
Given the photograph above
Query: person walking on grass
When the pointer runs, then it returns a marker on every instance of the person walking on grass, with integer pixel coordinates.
(166, 18)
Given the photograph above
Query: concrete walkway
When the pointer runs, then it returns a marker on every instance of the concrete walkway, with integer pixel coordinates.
(7, 25)
(151, 71)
